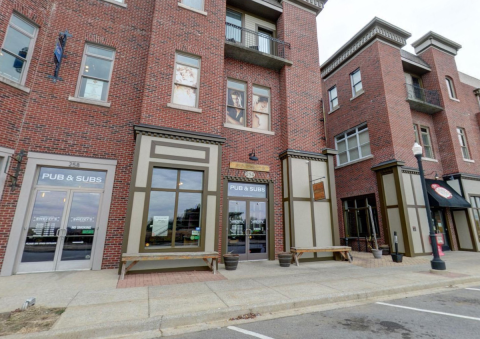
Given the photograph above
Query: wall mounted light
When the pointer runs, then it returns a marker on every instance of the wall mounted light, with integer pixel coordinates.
(252, 156)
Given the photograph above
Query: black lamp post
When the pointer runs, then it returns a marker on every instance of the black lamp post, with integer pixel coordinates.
(437, 263)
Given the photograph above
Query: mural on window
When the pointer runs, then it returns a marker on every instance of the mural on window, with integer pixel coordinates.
(261, 108)
(236, 102)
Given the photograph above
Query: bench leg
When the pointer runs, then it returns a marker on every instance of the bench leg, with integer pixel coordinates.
(122, 276)
(297, 256)
(349, 256)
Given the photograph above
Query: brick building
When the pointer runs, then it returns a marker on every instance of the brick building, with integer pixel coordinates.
(177, 125)
(379, 100)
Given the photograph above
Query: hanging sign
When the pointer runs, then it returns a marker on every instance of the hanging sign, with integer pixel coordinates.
(59, 54)
(319, 191)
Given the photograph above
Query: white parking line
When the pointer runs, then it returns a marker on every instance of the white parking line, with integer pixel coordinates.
(473, 289)
(253, 334)
(428, 311)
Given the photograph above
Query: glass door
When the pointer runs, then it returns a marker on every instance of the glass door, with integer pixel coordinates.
(78, 235)
(43, 231)
(441, 227)
(265, 41)
(257, 231)
(237, 221)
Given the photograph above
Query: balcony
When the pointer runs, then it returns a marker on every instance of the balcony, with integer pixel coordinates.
(423, 100)
(256, 47)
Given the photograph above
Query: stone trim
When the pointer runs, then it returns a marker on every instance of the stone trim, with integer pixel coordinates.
(243, 179)
(177, 134)
(289, 153)
(438, 41)
(375, 29)
(410, 170)
(388, 164)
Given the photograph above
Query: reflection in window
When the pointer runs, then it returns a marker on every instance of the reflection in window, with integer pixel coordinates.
(233, 27)
(174, 213)
(475, 201)
(353, 145)
(197, 4)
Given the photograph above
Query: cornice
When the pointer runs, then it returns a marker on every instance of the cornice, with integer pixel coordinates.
(387, 165)
(290, 153)
(375, 29)
(438, 41)
(244, 179)
(177, 134)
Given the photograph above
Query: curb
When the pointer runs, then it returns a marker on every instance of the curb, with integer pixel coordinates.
(112, 329)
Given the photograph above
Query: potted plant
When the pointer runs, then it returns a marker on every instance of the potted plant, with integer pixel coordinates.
(377, 254)
(285, 258)
(231, 261)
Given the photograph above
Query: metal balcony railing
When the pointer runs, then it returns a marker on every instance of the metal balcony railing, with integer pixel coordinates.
(258, 41)
(430, 97)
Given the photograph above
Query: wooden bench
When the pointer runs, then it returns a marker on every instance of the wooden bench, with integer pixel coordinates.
(298, 251)
(136, 257)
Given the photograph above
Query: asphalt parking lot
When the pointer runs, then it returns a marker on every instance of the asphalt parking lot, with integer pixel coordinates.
(452, 314)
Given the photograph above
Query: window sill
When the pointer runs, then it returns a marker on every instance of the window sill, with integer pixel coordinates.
(185, 108)
(90, 102)
(454, 99)
(192, 9)
(248, 129)
(368, 157)
(14, 84)
(356, 96)
(429, 159)
(469, 160)
(113, 2)
(335, 109)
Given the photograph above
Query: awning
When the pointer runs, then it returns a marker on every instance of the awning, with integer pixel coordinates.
(440, 194)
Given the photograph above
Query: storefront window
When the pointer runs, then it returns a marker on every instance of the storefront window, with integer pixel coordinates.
(174, 211)
(475, 201)
(356, 216)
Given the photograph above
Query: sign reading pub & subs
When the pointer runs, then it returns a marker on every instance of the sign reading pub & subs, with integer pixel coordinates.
(67, 177)
(237, 189)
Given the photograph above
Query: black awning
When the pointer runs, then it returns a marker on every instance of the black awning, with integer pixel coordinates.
(442, 195)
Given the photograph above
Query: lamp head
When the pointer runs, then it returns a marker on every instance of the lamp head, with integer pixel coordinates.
(252, 156)
(417, 149)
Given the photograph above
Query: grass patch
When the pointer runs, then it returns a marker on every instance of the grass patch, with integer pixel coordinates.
(34, 319)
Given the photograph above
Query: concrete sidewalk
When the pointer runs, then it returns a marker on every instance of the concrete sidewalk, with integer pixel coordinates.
(96, 308)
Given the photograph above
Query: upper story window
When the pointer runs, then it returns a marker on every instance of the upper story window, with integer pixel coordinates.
(427, 143)
(197, 4)
(451, 88)
(236, 102)
(356, 79)
(261, 108)
(186, 81)
(233, 31)
(414, 86)
(462, 138)
(415, 130)
(96, 72)
(17, 49)
(353, 145)
(333, 99)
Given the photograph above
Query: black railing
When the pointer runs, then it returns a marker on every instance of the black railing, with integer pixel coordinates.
(258, 41)
(427, 96)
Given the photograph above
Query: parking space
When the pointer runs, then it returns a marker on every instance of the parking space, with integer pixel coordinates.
(453, 314)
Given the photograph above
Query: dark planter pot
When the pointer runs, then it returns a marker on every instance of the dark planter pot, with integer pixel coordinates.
(230, 261)
(285, 259)
(397, 257)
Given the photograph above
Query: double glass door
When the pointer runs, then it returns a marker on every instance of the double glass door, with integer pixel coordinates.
(247, 229)
(441, 227)
(60, 231)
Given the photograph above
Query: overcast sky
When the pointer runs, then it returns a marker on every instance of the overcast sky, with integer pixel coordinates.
(457, 20)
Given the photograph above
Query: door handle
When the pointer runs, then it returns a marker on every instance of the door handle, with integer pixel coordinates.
(58, 232)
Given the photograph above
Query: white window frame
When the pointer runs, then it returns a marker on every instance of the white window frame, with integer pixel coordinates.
(197, 9)
(81, 75)
(199, 67)
(451, 88)
(428, 134)
(269, 105)
(463, 136)
(33, 38)
(354, 93)
(331, 99)
(358, 130)
(417, 135)
(4, 161)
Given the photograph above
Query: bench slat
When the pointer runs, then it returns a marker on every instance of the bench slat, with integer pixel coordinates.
(321, 249)
(168, 256)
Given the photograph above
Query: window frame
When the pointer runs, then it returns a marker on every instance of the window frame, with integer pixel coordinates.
(461, 133)
(417, 135)
(452, 93)
(429, 135)
(330, 99)
(197, 9)
(82, 66)
(358, 130)
(203, 211)
(245, 104)
(269, 106)
(354, 93)
(199, 67)
(356, 208)
(31, 46)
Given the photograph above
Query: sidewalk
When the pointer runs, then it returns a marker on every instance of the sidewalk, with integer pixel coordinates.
(96, 307)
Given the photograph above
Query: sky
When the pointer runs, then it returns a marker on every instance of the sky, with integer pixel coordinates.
(457, 20)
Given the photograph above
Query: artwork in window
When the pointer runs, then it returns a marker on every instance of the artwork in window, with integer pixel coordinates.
(93, 89)
(236, 107)
(186, 75)
(260, 104)
(185, 96)
(260, 121)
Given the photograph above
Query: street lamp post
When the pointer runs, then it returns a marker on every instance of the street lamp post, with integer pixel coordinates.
(437, 263)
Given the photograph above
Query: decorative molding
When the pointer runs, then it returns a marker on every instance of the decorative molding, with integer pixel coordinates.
(388, 165)
(376, 29)
(289, 153)
(410, 170)
(245, 179)
(177, 134)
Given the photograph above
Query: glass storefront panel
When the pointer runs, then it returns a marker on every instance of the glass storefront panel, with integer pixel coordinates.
(188, 220)
(160, 219)
(237, 221)
(245, 190)
(74, 178)
(258, 227)
(45, 223)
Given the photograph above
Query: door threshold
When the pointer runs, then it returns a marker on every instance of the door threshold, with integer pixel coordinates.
(74, 270)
